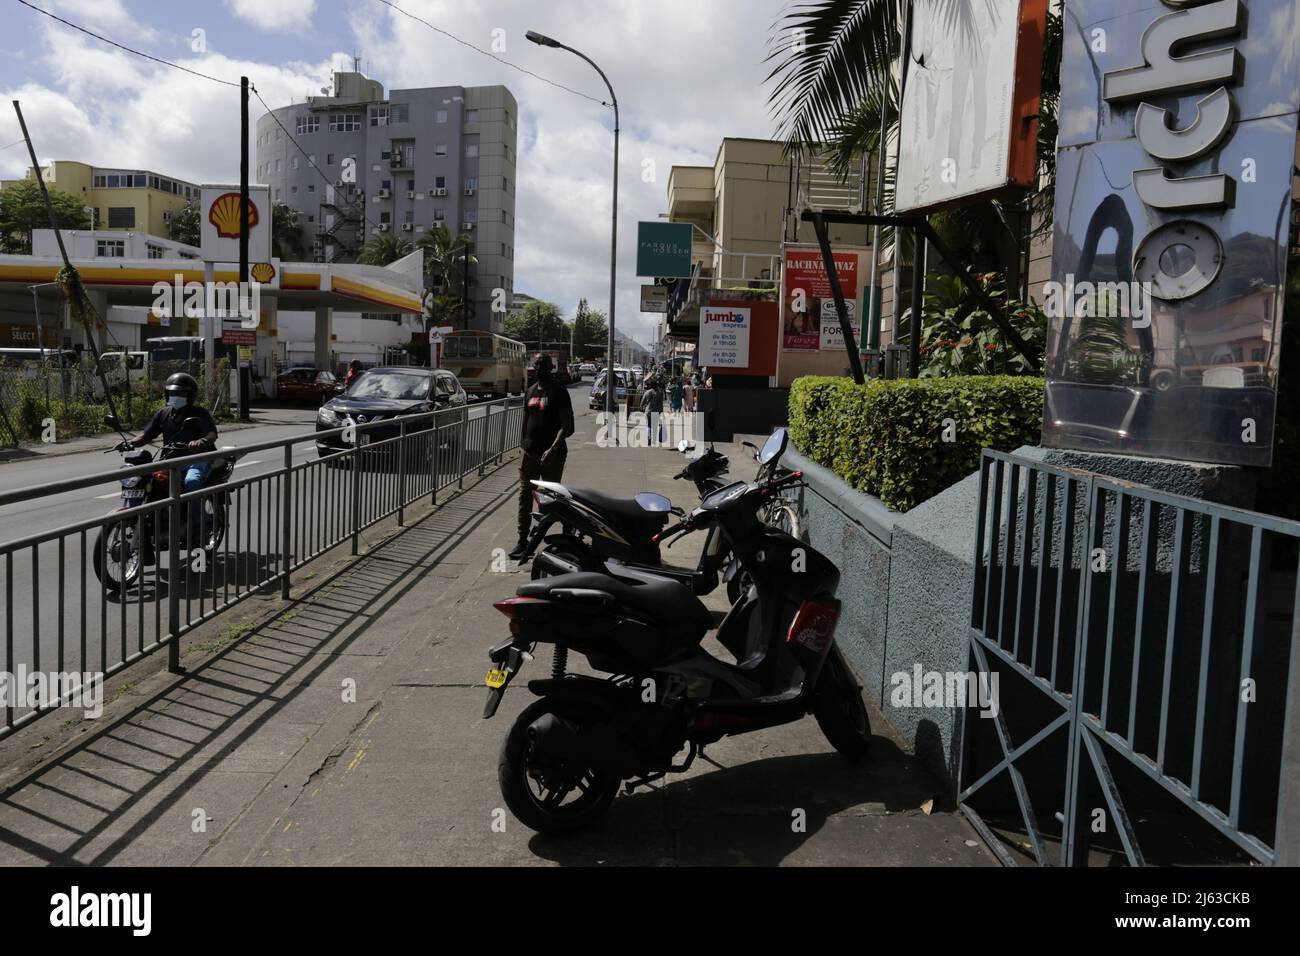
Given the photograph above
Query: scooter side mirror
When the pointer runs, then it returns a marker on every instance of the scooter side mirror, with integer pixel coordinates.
(684, 446)
(774, 447)
(111, 422)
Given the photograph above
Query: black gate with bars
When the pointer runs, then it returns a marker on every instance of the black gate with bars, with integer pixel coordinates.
(1145, 654)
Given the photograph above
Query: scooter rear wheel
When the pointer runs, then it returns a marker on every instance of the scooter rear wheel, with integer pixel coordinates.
(839, 709)
(546, 796)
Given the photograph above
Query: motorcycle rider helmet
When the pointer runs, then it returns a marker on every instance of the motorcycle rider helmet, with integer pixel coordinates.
(181, 385)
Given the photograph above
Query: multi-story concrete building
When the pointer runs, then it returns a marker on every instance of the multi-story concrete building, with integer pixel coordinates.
(133, 199)
(402, 164)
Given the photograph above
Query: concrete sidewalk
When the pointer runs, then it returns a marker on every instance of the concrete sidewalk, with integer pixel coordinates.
(344, 727)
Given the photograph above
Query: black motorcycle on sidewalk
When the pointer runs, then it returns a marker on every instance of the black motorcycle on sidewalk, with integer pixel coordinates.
(124, 548)
(666, 698)
(595, 527)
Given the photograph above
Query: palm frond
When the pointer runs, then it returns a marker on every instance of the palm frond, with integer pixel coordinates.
(828, 54)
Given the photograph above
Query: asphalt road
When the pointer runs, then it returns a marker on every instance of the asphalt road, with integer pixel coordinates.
(48, 592)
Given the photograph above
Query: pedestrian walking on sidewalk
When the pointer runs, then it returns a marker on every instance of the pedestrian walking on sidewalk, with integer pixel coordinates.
(548, 421)
(675, 395)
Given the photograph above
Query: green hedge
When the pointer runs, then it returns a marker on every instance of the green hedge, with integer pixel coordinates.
(887, 438)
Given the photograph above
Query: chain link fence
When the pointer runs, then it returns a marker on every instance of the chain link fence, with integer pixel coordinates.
(62, 395)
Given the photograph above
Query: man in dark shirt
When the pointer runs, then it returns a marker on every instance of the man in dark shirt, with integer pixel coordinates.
(182, 422)
(548, 421)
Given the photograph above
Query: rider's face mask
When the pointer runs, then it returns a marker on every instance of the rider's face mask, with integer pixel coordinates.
(177, 401)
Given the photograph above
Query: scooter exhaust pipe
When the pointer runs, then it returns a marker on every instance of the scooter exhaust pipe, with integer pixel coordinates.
(563, 740)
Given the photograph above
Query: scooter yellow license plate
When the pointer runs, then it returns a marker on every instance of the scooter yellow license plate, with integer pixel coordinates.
(497, 677)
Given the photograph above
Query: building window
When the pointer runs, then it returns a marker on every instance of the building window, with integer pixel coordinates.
(471, 182)
(439, 182)
(439, 215)
(121, 217)
(345, 122)
(311, 187)
(509, 121)
(385, 184)
(440, 116)
(471, 150)
(110, 248)
(153, 251)
(293, 163)
(329, 159)
(471, 116)
(379, 115)
(399, 113)
(471, 215)
(308, 124)
(293, 190)
(385, 217)
(277, 165)
(440, 149)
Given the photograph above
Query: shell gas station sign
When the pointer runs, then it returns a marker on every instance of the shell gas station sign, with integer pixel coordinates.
(219, 222)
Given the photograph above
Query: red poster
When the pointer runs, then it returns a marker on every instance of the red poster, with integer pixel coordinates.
(805, 286)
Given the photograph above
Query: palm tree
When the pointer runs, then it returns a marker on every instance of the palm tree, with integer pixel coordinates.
(286, 234)
(383, 249)
(445, 261)
(836, 63)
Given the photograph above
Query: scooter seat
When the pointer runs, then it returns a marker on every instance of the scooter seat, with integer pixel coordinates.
(625, 512)
(664, 601)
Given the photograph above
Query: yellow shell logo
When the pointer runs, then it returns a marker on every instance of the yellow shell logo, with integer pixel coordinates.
(224, 214)
(263, 272)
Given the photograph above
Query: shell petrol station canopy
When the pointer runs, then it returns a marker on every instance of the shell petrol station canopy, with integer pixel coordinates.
(296, 285)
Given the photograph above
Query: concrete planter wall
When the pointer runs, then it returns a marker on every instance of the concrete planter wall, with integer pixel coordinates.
(905, 586)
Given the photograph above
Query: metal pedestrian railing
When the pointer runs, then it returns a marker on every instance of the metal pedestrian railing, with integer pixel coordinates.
(259, 529)
(1146, 648)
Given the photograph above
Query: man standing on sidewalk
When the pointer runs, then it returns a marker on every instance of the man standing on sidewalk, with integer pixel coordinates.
(548, 421)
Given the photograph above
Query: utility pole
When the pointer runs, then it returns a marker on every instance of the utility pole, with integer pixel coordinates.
(245, 378)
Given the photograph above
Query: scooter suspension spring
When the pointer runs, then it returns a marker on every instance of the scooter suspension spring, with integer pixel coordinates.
(560, 661)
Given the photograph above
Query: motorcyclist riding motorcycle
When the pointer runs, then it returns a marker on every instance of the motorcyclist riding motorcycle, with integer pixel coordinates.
(182, 422)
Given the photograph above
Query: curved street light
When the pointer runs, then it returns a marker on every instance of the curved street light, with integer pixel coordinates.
(611, 383)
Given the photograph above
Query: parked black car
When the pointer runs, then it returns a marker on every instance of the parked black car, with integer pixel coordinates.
(380, 394)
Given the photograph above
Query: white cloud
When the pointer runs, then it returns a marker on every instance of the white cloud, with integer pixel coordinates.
(686, 73)
(275, 15)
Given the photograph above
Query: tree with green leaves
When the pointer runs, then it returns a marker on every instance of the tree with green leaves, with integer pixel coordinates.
(286, 234)
(22, 209)
(184, 225)
(835, 69)
(590, 333)
(445, 259)
(540, 325)
(383, 249)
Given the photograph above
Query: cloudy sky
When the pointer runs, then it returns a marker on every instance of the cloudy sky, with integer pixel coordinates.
(687, 72)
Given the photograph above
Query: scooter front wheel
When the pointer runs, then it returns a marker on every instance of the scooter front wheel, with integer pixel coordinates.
(546, 794)
(839, 709)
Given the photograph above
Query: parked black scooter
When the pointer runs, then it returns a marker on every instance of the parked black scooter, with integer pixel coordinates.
(596, 527)
(566, 754)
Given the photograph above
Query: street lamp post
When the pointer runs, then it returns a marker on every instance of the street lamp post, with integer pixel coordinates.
(541, 40)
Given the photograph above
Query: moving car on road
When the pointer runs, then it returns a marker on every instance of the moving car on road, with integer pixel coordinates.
(622, 381)
(384, 394)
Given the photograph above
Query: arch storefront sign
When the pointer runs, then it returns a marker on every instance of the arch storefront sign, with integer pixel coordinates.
(1173, 204)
